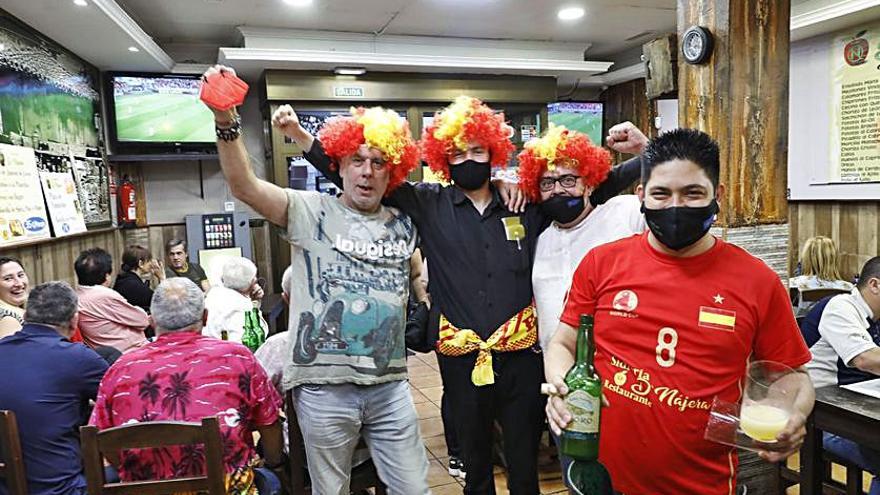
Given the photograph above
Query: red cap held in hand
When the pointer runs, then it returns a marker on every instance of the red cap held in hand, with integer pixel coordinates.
(222, 91)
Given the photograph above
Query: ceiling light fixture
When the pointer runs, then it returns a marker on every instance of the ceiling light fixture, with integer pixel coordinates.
(350, 71)
(298, 3)
(81, 3)
(133, 49)
(570, 13)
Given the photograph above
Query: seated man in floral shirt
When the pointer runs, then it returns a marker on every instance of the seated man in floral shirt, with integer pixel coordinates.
(185, 376)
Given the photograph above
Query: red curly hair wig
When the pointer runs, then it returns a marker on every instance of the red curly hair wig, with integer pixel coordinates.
(466, 120)
(377, 128)
(565, 148)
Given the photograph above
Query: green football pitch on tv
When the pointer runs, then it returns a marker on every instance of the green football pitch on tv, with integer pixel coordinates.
(588, 123)
(163, 118)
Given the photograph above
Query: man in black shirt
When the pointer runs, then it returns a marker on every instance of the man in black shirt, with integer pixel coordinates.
(179, 264)
(479, 276)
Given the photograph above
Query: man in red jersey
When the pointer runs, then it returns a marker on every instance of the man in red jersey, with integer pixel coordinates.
(678, 314)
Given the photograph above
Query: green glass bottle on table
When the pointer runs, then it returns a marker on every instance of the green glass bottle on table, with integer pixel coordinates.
(580, 439)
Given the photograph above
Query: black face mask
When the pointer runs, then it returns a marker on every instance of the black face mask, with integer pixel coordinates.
(680, 226)
(470, 175)
(563, 209)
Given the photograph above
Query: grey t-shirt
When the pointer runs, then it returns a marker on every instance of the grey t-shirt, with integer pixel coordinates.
(349, 289)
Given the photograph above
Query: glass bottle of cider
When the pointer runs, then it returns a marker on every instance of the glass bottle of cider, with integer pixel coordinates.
(580, 439)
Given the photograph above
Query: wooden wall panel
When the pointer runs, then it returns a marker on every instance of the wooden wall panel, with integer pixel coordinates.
(627, 101)
(740, 97)
(53, 260)
(852, 225)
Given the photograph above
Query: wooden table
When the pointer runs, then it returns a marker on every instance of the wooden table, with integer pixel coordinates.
(840, 412)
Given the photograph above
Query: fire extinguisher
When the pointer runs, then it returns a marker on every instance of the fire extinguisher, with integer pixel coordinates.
(127, 204)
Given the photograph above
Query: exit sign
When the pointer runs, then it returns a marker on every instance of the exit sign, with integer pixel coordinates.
(348, 92)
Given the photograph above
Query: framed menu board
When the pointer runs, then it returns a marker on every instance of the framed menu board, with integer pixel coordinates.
(22, 212)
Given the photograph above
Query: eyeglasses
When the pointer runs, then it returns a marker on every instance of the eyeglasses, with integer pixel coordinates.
(567, 181)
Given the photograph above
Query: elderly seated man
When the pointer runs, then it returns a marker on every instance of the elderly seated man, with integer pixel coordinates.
(843, 333)
(233, 307)
(185, 376)
(48, 384)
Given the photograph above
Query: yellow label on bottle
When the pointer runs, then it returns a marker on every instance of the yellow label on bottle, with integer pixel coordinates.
(584, 409)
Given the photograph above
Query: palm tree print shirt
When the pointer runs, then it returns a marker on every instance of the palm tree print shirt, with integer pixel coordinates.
(185, 376)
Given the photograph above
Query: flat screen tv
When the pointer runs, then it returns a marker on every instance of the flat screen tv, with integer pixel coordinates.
(581, 116)
(158, 113)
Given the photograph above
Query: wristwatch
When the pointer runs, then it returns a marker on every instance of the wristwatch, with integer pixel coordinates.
(230, 133)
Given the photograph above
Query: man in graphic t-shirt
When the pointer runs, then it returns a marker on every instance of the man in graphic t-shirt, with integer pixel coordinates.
(350, 260)
(678, 314)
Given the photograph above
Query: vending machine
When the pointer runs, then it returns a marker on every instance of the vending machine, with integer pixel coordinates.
(214, 236)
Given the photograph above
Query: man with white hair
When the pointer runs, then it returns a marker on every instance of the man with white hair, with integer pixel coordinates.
(232, 307)
(272, 354)
(185, 376)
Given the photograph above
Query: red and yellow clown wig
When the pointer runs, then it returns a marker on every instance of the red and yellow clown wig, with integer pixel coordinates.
(564, 148)
(466, 120)
(378, 128)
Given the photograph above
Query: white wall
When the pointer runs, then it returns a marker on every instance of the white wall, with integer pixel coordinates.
(172, 187)
(809, 122)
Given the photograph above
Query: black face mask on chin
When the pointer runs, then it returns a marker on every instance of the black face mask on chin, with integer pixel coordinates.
(680, 226)
(470, 175)
(563, 209)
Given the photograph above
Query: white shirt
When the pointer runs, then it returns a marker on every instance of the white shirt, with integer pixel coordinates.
(843, 331)
(226, 309)
(560, 251)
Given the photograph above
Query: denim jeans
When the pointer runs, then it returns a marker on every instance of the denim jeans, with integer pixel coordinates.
(332, 419)
(865, 458)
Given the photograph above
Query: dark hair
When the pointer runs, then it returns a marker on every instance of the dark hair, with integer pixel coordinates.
(9, 259)
(173, 243)
(51, 303)
(869, 271)
(683, 144)
(92, 266)
(133, 255)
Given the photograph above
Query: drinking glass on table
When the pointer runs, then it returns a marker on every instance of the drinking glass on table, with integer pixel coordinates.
(768, 401)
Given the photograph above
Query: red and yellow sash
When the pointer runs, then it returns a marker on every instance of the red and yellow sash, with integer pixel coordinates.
(518, 333)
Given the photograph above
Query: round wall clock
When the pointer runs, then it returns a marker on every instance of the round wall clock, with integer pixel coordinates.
(696, 45)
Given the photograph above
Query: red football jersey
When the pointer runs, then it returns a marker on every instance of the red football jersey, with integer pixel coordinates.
(671, 335)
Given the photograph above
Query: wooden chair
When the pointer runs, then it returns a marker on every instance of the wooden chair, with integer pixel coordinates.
(155, 434)
(799, 297)
(363, 476)
(789, 477)
(11, 460)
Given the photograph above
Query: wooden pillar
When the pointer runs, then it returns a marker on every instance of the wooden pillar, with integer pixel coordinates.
(740, 97)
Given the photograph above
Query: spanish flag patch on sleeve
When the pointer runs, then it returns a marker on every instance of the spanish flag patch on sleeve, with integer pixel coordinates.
(718, 319)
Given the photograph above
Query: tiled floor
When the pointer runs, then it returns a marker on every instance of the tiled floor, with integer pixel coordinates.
(424, 377)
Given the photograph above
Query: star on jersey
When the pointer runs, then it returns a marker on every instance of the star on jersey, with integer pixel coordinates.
(718, 299)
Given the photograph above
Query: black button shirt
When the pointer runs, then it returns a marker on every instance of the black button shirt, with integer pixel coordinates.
(476, 277)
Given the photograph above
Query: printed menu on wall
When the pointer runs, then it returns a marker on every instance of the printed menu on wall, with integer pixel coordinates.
(22, 213)
(63, 203)
(855, 105)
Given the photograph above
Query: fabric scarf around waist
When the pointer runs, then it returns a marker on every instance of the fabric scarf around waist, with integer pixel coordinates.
(518, 333)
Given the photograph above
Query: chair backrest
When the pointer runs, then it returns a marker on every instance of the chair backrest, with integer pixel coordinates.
(150, 435)
(11, 460)
(813, 295)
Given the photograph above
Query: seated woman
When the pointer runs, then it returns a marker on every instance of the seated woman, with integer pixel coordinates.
(233, 312)
(819, 266)
(133, 281)
(13, 295)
